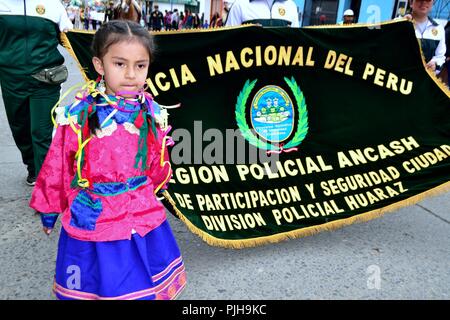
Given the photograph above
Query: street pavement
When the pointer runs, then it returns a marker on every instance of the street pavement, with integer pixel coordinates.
(402, 255)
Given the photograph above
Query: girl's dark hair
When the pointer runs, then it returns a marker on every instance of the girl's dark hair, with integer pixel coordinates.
(113, 32)
(116, 31)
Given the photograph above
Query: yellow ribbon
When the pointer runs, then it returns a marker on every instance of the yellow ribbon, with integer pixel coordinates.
(90, 88)
(60, 100)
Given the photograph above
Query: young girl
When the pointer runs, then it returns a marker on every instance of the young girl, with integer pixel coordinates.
(107, 161)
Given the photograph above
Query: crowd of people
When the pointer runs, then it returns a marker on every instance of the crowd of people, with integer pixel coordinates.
(90, 17)
(85, 17)
(178, 20)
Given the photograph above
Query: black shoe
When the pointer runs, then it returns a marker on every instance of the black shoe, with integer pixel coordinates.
(31, 180)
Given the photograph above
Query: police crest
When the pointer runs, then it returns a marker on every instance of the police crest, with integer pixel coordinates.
(273, 116)
(40, 9)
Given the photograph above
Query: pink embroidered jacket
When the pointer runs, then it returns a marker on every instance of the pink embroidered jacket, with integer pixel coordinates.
(121, 197)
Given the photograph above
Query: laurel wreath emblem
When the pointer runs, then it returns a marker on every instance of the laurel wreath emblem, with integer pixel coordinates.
(302, 124)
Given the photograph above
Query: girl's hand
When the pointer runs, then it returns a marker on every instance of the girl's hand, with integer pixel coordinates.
(47, 231)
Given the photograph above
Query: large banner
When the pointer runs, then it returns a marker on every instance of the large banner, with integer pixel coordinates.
(285, 132)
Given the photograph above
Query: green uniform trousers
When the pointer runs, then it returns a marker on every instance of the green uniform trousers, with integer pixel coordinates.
(28, 107)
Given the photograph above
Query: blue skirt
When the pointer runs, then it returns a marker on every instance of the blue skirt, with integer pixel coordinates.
(143, 268)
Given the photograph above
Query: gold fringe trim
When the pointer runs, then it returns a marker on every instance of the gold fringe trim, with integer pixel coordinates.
(215, 29)
(82, 31)
(248, 25)
(308, 231)
(164, 32)
(66, 43)
(327, 26)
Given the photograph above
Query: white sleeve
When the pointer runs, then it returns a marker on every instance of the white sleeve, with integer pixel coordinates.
(439, 53)
(63, 21)
(294, 16)
(234, 17)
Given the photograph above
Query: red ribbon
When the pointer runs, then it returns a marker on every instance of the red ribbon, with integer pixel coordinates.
(139, 121)
(281, 150)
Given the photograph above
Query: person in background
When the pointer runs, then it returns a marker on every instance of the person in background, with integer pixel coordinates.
(109, 12)
(348, 17)
(430, 34)
(77, 24)
(71, 14)
(182, 20)
(226, 9)
(216, 20)
(168, 20)
(93, 21)
(188, 19)
(86, 15)
(263, 12)
(175, 19)
(31, 72)
(156, 19)
(196, 23)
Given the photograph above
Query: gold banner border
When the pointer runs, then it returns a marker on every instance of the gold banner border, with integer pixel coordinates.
(308, 231)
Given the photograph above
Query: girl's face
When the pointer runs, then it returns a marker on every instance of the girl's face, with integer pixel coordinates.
(124, 67)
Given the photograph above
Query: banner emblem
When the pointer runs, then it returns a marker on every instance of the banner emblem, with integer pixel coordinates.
(272, 116)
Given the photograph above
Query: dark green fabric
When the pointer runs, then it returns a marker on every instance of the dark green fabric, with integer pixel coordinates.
(28, 113)
(28, 45)
(343, 113)
(25, 50)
